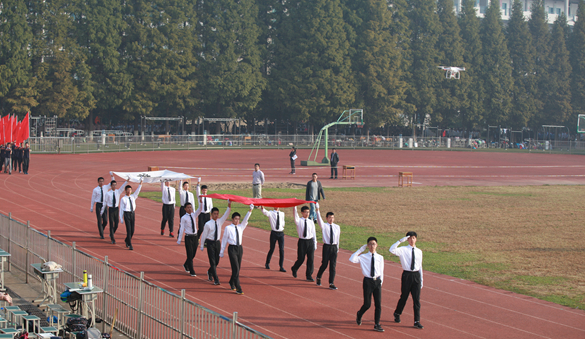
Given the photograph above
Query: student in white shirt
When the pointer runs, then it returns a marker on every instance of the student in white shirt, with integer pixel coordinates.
(257, 181)
(412, 275)
(168, 208)
(188, 227)
(276, 219)
(331, 235)
(210, 238)
(207, 204)
(233, 235)
(372, 265)
(127, 212)
(307, 243)
(186, 197)
(112, 203)
(97, 198)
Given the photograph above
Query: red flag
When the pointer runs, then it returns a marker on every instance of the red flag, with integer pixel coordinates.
(8, 129)
(14, 123)
(260, 202)
(24, 133)
(2, 131)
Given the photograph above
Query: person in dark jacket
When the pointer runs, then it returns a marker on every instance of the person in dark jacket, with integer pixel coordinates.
(25, 158)
(293, 157)
(313, 193)
(334, 160)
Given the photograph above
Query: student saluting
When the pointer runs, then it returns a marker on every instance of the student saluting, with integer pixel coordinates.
(168, 209)
(331, 236)
(191, 240)
(210, 238)
(112, 203)
(127, 207)
(232, 235)
(307, 243)
(97, 198)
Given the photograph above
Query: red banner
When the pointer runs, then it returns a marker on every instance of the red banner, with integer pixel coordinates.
(291, 202)
(24, 131)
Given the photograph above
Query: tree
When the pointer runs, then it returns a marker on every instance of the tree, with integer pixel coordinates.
(578, 61)
(496, 67)
(558, 99)
(522, 56)
(472, 115)
(538, 26)
(451, 96)
(312, 78)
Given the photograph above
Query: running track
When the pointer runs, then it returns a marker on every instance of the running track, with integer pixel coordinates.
(57, 193)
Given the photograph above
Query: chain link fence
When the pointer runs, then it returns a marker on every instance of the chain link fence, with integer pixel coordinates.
(145, 311)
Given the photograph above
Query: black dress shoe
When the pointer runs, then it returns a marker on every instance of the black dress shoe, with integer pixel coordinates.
(358, 319)
(240, 292)
(216, 283)
(418, 325)
(126, 244)
(209, 277)
(378, 328)
(114, 242)
(101, 237)
(396, 317)
(193, 274)
(318, 281)
(332, 287)
(282, 269)
(186, 269)
(294, 272)
(310, 279)
(267, 266)
(131, 248)
(232, 287)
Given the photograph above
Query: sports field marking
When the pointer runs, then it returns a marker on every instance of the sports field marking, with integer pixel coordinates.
(363, 166)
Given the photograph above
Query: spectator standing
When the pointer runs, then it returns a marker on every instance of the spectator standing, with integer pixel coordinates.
(257, 181)
(334, 160)
(293, 157)
(313, 192)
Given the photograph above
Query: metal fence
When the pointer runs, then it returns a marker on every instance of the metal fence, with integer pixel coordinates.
(112, 143)
(144, 309)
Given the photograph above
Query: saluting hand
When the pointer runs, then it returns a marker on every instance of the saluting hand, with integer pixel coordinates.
(404, 239)
(363, 248)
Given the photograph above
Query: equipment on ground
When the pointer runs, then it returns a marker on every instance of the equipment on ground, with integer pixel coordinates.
(452, 72)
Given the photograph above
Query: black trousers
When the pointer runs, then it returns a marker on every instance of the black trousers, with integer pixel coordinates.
(201, 220)
(213, 248)
(410, 285)
(235, 253)
(191, 242)
(372, 287)
(334, 170)
(305, 247)
(14, 163)
(182, 212)
(292, 166)
(114, 220)
(129, 218)
(168, 212)
(19, 164)
(25, 163)
(329, 258)
(102, 219)
(274, 237)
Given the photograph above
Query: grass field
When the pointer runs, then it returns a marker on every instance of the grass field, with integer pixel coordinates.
(526, 239)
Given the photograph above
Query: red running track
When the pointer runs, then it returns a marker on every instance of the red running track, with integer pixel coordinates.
(56, 197)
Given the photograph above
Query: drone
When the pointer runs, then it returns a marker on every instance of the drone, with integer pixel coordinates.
(452, 72)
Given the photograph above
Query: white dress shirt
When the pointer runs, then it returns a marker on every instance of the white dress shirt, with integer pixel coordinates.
(208, 204)
(96, 195)
(272, 219)
(110, 197)
(405, 255)
(186, 227)
(229, 234)
(365, 261)
(258, 178)
(326, 230)
(209, 228)
(301, 226)
(125, 205)
(166, 191)
(184, 194)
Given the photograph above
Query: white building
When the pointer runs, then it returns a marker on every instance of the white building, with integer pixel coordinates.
(552, 8)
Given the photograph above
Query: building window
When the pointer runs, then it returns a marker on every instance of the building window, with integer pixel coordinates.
(558, 11)
(551, 10)
(505, 8)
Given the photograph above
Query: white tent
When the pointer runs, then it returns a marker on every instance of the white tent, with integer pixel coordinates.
(153, 176)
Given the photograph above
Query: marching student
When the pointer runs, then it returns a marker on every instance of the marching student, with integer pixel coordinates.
(206, 202)
(210, 238)
(128, 216)
(7, 157)
(276, 219)
(97, 198)
(331, 235)
(232, 235)
(2, 150)
(185, 197)
(18, 155)
(168, 209)
(189, 228)
(372, 265)
(412, 275)
(307, 243)
(25, 158)
(112, 203)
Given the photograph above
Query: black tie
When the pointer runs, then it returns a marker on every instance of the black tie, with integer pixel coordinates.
(331, 234)
(131, 206)
(215, 230)
(192, 223)
(204, 205)
(277, 220)
(237, 236)
(169, 192)
(373, 268)
(412, 262)
(114, 198)
(186, 197)
(305, 230)
(102, 195)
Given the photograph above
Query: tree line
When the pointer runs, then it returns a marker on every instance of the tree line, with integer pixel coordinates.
(296, 60)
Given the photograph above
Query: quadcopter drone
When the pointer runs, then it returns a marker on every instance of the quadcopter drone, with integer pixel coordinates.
(452, 72)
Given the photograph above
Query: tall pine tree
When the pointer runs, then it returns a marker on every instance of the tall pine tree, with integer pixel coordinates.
(538, 26)
(557, 106)
(578, 61)
(496, 67)
(522, 55)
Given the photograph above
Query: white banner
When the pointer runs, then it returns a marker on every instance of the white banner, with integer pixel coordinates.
(153, 176)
